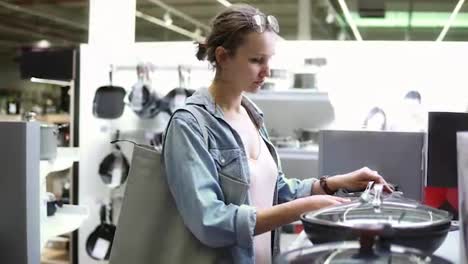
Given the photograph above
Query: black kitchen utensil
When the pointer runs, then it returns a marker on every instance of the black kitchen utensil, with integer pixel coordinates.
(108, 100)
(99, 242)
(142, 99)
(175, 99)
(114, 168)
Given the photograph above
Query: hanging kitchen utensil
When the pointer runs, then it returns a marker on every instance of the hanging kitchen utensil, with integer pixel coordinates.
(108, 100)
(114, 167)
(142, 99)
(175, 99)
(374, 247)
(375, 119)
(48, 137)
(415, 225)
(99, 242)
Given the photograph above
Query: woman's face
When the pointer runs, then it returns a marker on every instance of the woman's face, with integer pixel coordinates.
(249, 66)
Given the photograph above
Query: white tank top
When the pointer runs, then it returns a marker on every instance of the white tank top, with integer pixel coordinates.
(263, 177)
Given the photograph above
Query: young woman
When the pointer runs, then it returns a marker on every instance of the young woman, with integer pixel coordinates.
(224, 174)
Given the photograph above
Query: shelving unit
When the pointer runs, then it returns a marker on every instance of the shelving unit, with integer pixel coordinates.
(49, 118)
(69, 217)
(299, 154)
(290, 95)
(65, 158)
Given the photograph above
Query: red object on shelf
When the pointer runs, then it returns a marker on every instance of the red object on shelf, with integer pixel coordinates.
(437, 196)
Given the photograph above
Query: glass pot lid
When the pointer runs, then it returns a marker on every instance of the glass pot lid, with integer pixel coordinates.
(350, 253)
(375, 207)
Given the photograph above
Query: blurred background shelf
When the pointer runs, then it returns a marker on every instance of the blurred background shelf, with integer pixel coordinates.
(49, 118)
(65, 158)
(67, 219)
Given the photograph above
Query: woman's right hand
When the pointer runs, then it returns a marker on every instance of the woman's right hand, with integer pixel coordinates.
(319, 201)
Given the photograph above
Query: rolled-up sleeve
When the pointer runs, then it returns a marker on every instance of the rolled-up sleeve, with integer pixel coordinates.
(290, 189)
(193, 181)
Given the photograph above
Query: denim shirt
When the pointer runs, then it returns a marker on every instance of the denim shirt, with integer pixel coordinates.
(209, 178)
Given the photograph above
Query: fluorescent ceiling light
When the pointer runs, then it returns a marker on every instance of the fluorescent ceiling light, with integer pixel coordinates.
(47, 81)
(225, 3)
(450, 21)
(350, 20)
(167, 19)
(418, 20)
(162, 23)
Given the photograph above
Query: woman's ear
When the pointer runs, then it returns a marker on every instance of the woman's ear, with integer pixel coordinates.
(221, 55)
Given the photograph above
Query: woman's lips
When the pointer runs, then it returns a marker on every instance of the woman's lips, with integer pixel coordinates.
(260, 82)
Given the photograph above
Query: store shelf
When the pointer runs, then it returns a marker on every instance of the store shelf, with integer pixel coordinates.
(290, 95)
(49, 118)
(310, 153)
(65, 158)
(67, 219)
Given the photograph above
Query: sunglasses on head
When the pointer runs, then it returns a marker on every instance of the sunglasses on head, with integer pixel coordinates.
(262, 22)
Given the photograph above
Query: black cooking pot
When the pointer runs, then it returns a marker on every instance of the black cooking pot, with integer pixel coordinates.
(374, 247)
(415, 225)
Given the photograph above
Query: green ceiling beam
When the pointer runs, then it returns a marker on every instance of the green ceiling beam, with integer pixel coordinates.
(419, 19)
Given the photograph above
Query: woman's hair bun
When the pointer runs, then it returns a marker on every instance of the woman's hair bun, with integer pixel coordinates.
(201, 53)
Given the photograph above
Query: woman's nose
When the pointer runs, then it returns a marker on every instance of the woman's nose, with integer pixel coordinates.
(266, 72)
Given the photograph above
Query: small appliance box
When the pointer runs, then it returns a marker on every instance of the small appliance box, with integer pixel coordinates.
(397, 156)
(441, 167)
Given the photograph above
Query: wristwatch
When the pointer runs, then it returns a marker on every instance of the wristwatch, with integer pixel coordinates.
(324, 185)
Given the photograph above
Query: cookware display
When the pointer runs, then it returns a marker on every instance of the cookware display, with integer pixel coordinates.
(114, 168)
(99, 242)
(308, 134)
(375, 119)
(142, 99)
(374, 247)
(108, 100)
(175, 99)
(415, 225)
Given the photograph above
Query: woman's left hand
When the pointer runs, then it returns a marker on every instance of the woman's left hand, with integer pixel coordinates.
(357, 180)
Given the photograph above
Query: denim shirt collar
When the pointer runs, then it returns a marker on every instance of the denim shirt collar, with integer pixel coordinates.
(204, 98)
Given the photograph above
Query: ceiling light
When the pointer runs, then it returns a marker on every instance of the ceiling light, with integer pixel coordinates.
(450, 21)
(162, 23)
(48, 81)
(225, 3)
(167, 18)
(330, 18)
(43, 44)
(350, 20)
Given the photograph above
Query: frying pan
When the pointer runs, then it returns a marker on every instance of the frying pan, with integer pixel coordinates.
(108, 101)
(114, 168)
(99, 242)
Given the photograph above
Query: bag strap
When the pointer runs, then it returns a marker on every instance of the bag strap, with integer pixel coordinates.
(196, 112)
